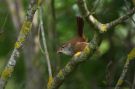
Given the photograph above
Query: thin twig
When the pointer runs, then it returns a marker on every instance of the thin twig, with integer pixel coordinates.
(121, 79)
(95, 6)
(130, 57)
(2, 27)
(39, 40)
(44, 43)
(127, 7)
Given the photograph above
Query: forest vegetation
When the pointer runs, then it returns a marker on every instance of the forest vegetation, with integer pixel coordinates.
(33, 31)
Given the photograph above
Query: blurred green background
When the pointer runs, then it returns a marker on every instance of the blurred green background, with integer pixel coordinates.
(100, 72)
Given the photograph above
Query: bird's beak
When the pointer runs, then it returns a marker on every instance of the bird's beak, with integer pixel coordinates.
(58, 51)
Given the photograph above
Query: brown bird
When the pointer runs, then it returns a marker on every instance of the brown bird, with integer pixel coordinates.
(76, 44)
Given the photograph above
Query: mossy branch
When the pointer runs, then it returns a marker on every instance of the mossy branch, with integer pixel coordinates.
(130, 57)
(101, 26)
(26, 27)
(78, 58)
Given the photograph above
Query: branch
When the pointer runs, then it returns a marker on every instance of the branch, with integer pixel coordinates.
(73, 63)
(45, 52)
(130, 57)
(102, 27)
(26, 27)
